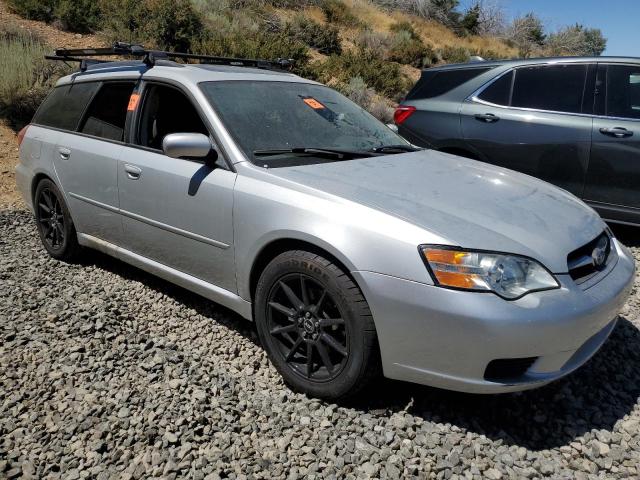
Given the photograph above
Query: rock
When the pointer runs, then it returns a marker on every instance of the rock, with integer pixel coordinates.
(108, 372)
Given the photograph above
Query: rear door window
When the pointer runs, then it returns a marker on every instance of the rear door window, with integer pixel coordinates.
(623, 91)
(557, 88)
(435, 83)
(499, 92)
(64, 106)
(107, 113)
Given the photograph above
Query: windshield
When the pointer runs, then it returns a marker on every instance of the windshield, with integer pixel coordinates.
(265, 117)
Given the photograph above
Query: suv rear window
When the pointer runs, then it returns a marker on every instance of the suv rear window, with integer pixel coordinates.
(435, 83)
(108, 112)
(63, 107)
(499, 92)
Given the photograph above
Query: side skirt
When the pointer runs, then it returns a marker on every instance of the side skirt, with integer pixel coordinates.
(205, 289)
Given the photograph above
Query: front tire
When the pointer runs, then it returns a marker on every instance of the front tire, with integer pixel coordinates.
(316, 326)
(56, 229)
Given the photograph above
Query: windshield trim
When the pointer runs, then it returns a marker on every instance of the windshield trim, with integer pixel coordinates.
(232, 132)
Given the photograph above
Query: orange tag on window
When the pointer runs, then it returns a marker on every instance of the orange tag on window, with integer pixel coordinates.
(313, 103)
(133, 102)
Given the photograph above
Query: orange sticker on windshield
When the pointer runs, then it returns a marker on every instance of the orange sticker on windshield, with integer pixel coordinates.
(313, 103)
(133, 102)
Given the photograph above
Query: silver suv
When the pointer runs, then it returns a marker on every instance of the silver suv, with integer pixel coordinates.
(354, 253)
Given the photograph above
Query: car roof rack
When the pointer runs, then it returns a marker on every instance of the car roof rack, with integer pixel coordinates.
(150, 57)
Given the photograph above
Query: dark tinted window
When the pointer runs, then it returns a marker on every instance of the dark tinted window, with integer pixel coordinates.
(64, 105)
(499, 92)
(166, 110)
(623, 91)
(557, 88)
(436, 83)
(107, 113)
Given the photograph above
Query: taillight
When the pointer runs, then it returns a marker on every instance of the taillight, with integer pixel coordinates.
(402, 113)
(21, 135)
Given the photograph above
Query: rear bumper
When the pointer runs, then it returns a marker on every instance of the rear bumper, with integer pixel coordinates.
(447, 338)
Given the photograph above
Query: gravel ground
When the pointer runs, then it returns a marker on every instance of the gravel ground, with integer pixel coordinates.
(108, 372)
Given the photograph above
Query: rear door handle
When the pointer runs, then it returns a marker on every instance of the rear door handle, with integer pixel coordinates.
(65, 153)
(617, 132)
(487, 117)
(133, 172)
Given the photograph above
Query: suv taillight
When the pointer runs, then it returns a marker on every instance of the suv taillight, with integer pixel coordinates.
(402, 113)
(21, 135)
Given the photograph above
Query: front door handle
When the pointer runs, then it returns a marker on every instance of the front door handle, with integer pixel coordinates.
(133, 172)
(65, 153)
(487, 117)
(617, 132)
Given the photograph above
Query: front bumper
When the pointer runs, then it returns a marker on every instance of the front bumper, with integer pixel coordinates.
(447, 338)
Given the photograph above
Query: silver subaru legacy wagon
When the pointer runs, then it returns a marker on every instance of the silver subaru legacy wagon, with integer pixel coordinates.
(355, 253)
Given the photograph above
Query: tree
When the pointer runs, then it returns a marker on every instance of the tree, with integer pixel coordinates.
(577, 40)
(527, 33)
(491, 17)
(471, 20)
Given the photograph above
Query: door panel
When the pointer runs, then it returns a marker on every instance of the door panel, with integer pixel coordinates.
(87, 169)
(534, 119)
(614, 170)
(179, 213)
(551, 146)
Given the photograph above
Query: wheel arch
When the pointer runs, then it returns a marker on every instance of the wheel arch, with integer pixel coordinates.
(278, 246)
(37, 178)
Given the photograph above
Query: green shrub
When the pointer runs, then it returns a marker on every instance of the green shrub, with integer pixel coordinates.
(323, 37)
(384, 77)
(33, 9)
(454, 54)
(336, 11)
(81, 16)
(375, 42)
(269, 46)
(405, 26)
(411, 51)
(163, 24)
(26, 75)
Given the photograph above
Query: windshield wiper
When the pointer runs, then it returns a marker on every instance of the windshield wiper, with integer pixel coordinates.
(320, 152)
(394, 149)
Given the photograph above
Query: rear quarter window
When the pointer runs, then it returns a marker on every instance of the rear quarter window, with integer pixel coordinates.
(64, 106)
(435, 83)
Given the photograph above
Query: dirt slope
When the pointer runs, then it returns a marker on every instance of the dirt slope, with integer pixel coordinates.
(8, 140)
(50, 34)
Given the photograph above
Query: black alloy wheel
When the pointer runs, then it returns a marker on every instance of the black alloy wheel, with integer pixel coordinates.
(56, 229)
(316, 326)
(308, 327)
(51, 219)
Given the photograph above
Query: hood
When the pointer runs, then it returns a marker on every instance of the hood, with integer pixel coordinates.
(472, 204)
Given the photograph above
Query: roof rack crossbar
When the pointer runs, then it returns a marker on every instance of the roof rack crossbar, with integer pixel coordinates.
(149, 57)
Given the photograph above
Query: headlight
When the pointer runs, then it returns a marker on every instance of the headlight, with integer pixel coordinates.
(510, 276)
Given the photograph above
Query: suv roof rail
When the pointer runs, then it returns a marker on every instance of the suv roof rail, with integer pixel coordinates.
(149, 57)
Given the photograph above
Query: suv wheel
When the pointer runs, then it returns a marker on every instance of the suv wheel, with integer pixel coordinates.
(316, 326)
(55, 226)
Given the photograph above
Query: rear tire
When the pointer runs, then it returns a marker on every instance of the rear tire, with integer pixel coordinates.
(55, 226)
(316, 326)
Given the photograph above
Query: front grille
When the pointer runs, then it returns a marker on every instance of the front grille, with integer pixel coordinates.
(581, 262)
(504, 369)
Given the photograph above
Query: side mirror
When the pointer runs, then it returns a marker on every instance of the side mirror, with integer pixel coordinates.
(188, 145)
